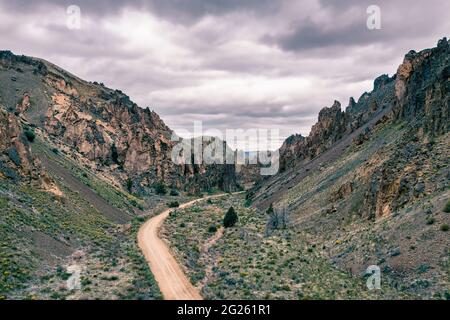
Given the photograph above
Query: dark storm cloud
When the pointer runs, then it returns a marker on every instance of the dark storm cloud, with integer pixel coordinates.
(310, 35)
(345, 25)
(180, 11)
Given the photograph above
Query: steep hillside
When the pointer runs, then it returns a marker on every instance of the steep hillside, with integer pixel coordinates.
(417, 95)
(81, 166)
(369, 184)
(101, 126)
(55, 225)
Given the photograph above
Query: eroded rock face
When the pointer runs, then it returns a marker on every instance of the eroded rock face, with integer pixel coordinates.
(24, 104)
(422, 89)
(415, 99)
(16, 159)
(17, 162)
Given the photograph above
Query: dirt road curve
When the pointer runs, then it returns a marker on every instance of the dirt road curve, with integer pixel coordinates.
(171, 279)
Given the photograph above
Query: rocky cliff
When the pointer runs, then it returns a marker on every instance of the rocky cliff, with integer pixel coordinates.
(417, 97)
(370, 185)
(102, 126)
(16, 160)
(422, 95)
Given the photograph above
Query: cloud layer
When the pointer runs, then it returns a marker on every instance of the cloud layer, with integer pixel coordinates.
(229, 63)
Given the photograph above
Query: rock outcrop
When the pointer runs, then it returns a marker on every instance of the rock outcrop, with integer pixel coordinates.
(16, 159)
(422, 89)
(422, 95)
(332, 124)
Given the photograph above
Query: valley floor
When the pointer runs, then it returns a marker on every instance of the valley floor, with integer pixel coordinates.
(245, 262)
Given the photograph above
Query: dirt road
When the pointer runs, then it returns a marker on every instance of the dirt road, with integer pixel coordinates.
(171, 279)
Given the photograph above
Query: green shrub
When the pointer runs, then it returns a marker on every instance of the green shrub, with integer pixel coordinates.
(160, 188)
(270, 210)
(114, 154)
(61, 273)
(136, 204)
(85, 282)
(447, 207)
(230, 218)
(55, 151)
(444, 227)
(129, 185)
(14, 156)
(173, 204)
(30, 135)
(212, 229)
(430, 220)
(174, 193)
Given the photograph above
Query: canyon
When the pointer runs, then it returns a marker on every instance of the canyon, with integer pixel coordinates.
(82, 167)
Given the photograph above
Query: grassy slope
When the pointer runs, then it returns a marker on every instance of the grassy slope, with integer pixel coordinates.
(40, 232)
(244, 264)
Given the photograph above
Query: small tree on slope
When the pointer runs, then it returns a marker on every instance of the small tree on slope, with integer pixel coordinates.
(230, 218)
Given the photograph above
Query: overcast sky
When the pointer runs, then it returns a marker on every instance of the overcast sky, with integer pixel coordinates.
(231, 64)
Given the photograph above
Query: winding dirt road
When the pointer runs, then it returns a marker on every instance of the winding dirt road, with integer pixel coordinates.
(172, 281)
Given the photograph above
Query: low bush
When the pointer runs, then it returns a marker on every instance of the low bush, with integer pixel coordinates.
(160, 188)
(173, 204)
(30, 135)
(447, 207)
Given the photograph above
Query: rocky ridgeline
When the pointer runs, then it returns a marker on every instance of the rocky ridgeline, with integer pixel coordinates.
(417, 95)
(103, 126)
(333, 124)
(418, 92)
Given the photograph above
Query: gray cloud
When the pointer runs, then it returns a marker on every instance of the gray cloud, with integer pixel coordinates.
(180, 11)
(343, 25)
(229, 63)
